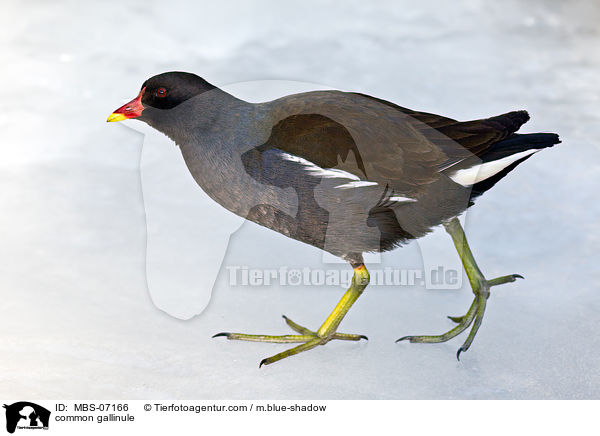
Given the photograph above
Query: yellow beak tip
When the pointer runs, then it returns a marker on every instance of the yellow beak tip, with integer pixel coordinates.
(115, 117)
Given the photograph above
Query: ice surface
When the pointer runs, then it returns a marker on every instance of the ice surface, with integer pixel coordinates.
(76, 316)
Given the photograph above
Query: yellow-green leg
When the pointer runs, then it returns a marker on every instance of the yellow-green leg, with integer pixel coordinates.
(307, 338)
(481, 289)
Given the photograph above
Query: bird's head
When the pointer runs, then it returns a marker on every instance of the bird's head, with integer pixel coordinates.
(160, 93)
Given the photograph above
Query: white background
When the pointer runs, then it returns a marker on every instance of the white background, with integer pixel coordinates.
(77, 318)
(342, 417)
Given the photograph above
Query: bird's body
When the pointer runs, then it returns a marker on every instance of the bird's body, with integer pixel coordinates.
(344, 172)
(292, 167)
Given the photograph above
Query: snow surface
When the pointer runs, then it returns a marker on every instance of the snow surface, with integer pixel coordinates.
(77, 317)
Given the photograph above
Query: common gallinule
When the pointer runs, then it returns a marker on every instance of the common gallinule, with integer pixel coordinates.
(342, 171)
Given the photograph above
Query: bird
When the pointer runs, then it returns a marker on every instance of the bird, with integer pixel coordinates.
(345, 172)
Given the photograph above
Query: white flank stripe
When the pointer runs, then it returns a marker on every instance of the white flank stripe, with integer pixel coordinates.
(477, 173)
(318, 171)
(400, 199)
(359, 184)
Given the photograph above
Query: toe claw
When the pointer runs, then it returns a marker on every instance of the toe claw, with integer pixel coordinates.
(518, 276)
(403, 338)
(222, 334)
(460, 350)
(263, 362)
(364, 337)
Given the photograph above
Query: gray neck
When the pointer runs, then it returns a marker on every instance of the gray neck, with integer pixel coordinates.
(196, 117)
(213, 130)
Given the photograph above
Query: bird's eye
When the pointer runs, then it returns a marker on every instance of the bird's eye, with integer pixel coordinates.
(161, 92)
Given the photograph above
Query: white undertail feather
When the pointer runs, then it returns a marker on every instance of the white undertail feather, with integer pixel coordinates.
(477, 173)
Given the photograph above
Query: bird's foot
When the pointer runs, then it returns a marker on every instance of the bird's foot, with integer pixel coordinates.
(307, 338)
(473, 316)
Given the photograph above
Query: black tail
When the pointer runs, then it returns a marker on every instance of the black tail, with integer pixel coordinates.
(516, 143)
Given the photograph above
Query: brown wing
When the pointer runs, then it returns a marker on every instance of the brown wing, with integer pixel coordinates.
(316, 138)
(475, 136)
(359, 135)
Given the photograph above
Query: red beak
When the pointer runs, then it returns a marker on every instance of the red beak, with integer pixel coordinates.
(133, 109)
